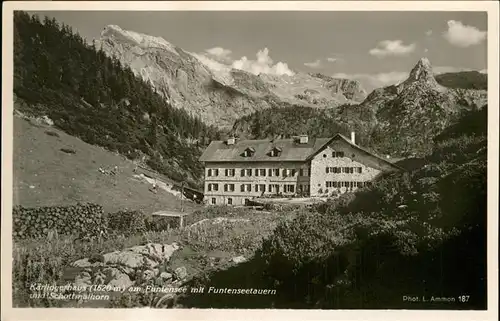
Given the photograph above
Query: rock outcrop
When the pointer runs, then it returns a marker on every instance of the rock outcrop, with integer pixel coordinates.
(132, 266)
(404, 118)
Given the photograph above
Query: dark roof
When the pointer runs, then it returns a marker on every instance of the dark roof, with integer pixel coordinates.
(291, 150)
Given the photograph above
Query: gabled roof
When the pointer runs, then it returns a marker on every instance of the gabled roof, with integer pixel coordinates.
(291, 150)
(357, 147)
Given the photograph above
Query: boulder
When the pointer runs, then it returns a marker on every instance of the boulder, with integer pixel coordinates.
(83, 279)
(83, 263)
(165, 276)
(149, 274)
(122, 280)
(239, 259)
(180, 273)
(127, 258)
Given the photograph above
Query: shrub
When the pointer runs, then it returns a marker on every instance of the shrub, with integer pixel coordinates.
(127, 222)
(161, 223)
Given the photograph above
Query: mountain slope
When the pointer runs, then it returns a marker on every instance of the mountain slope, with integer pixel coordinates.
(398, 120)
(216, 92)
(95, 98)
(464, 80)
(403, 118)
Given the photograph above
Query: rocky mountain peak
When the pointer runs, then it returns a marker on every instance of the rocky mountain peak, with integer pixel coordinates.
(422, 70)
(422, 74)
(115, 35)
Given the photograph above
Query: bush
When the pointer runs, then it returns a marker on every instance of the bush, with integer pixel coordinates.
(81, 219)
(127, 222)
(156, 223)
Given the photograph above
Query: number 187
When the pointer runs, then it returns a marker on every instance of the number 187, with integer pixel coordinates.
(463, 298)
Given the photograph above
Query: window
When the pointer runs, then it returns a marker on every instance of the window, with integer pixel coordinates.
(338, 154)
(276, 172)
(360, 184)
(274, 188)
(228, 187)
(301, 172)
(289, 188)
(275, 152)
(229, 201)
(242, 173)
(248, 188)
(263, 172)
(248, 152)
(214, 201)
(327, 170)
(324, 155)
(260, 188)
(270, 172)
(229, 172)
(213, 187)
(360, 170)
(212, 172)
(285, 172)
(242, 187)
(294, 171)
(249, 172)
(256, 172)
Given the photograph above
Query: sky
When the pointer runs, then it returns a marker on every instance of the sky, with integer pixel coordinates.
(376, 48)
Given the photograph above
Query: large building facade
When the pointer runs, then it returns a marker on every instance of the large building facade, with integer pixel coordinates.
(237, 171)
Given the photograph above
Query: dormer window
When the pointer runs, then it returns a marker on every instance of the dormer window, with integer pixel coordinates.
(275, 152)
(248, 152)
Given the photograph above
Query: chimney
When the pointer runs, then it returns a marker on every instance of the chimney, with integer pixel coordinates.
(353, 138)
(303, 139)
(231, 141)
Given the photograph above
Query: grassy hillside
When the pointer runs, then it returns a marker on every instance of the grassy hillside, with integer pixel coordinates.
(463, 80)
(95, 98)
(44, 175)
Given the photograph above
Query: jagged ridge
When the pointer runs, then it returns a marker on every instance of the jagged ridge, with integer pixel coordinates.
(206, 88)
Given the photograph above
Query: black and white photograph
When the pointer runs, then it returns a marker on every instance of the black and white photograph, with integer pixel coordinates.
(251, 159)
